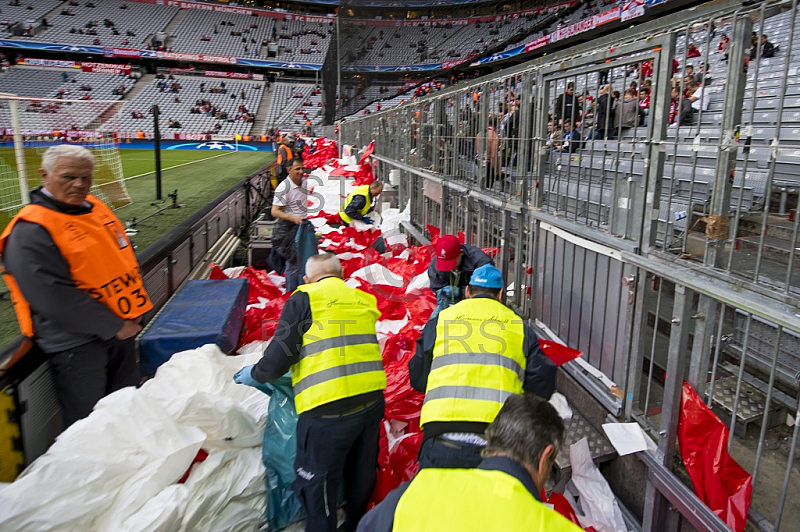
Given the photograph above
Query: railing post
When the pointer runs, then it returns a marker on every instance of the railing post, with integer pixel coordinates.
(656, 507)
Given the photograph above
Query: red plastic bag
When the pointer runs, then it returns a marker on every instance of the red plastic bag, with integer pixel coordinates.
(717, 478)
(558, 353)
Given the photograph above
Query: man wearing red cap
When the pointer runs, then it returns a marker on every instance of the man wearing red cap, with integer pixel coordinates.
(451, 269)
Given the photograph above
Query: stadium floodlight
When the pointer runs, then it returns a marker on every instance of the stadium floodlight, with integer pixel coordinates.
(31, 125)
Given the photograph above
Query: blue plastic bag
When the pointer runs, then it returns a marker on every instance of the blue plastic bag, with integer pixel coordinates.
(278, 452)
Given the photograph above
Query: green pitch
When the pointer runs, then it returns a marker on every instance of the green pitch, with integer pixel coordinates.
(199, 176)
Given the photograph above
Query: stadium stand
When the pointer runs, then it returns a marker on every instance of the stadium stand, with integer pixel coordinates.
(690, 166)
(48, 83)
(187, 108)
(293, 104)
(228, 34)
(108, 23)
(11, 13)
(305, 42)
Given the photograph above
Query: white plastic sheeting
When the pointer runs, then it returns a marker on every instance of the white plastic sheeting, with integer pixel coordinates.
(597, 500)
(118, 469)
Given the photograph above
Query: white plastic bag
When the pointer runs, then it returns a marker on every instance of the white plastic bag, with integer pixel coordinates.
(597, 499)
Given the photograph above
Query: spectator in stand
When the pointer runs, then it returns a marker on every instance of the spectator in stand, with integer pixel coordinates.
(604, 114)
(571, 141)
(628, 113)
(767, 49)
(699, 96)
(724, 44)
(487, 147)
(565, 104)
(682, 117)
(644, 102)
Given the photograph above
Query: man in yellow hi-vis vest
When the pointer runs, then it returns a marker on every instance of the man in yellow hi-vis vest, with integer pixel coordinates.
(360, 202)
(75, 283)
(501, 495)
(326, 336)
(469, 359)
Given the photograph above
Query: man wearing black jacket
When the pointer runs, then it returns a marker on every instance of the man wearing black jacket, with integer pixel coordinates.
(326, 336)
(75, 283)
(469, 359)
(451, 268)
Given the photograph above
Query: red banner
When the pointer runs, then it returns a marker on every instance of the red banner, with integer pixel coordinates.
(105, 68)
(586, 25)
(178, 56)
(191, 136)
(235, 10)
(232, 75)
(125, 52)
(537, 43)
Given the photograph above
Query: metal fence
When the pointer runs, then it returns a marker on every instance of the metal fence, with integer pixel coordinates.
(660, 243)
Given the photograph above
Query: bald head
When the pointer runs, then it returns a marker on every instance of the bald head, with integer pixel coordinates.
(323, 265)
(375, 188)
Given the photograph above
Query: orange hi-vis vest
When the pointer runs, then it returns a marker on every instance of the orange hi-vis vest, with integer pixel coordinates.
(284, 154)
(100, 257)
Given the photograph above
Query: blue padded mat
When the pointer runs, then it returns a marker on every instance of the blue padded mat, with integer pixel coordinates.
(202, 312)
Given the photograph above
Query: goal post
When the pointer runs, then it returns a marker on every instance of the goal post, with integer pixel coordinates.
(28, 126)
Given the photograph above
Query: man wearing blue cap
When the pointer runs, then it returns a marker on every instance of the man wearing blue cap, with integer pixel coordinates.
(469, 360)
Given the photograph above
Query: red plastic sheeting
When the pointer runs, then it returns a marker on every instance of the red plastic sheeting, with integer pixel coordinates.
(369, 150)
(260, 324)
(330, 218)
(717, 478)
(562, 506)
(326, 152)
(397, 466)
(435, 232)
(560, 354)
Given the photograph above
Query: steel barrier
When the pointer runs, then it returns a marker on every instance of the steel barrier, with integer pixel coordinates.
(665, 251)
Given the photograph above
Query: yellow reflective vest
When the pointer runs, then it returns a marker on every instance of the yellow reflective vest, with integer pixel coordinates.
(363, 190)
(476, 500)
(339, 356)
(478, 361)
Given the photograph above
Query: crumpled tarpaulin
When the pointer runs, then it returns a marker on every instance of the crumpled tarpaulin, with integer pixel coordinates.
(717, 478)
(325, 151)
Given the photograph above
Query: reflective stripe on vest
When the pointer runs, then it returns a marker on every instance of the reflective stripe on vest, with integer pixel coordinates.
(340, 356)
(363, 190)
(477, 500)
(478, 361)
(100, 258)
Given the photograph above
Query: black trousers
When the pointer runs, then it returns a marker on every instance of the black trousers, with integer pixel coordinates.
(332, 451)
(87, 373)
(440, 453)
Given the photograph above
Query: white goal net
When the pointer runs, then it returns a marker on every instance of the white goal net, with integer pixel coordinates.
(31, 125)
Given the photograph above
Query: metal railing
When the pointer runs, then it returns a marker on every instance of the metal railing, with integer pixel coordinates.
(664, 252)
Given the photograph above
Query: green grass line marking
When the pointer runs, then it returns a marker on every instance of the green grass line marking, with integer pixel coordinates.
(179, 165)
